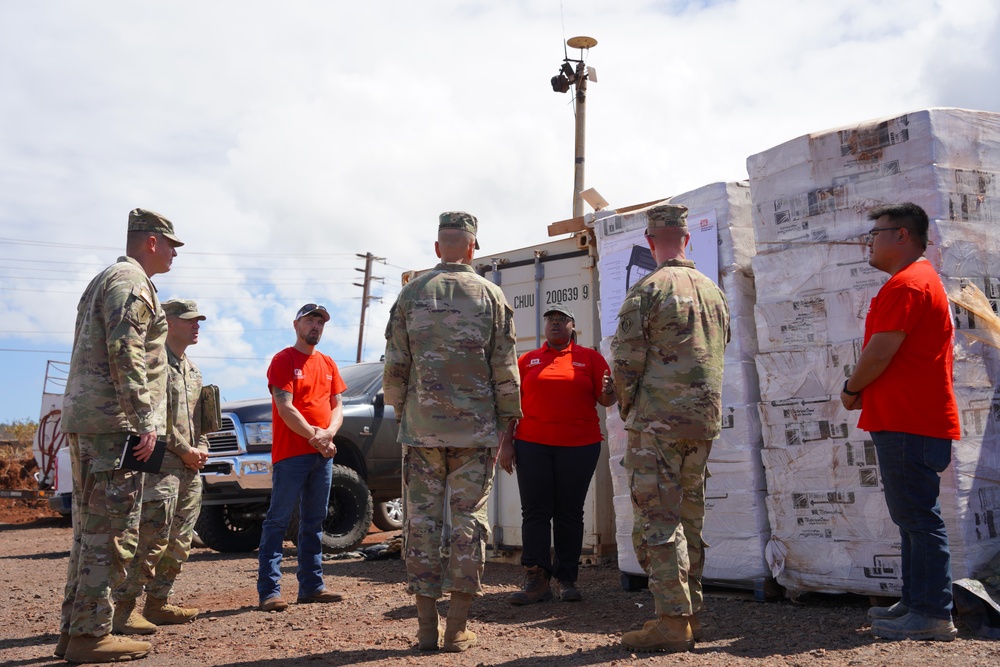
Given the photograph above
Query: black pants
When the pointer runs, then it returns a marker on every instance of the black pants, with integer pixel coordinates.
(553, 483)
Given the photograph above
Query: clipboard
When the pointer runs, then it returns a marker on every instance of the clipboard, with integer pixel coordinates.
(127, 460)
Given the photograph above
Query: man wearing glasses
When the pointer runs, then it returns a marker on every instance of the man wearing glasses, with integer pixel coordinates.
(307, 412)
(903, 386)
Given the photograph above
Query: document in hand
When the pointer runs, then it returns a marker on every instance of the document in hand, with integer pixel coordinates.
(128, 461)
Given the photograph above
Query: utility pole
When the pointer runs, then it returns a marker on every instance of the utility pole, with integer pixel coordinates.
(568, 76)
(366, 288)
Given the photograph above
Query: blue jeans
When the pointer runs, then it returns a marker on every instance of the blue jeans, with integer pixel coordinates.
(303, 480)
(911, 466)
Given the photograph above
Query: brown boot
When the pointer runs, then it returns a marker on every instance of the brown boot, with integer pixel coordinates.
(671, 634)
(61, 645)
(428, 624)
(535, 589)
(106, 648)
(456, 637)
(128, 621)
(693, 621)
(159, 612)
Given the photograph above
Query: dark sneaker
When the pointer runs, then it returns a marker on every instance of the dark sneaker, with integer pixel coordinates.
(273, 604)
(916, 627)
(568, 592)
(536, 587)
(895, 611)
(321, 596)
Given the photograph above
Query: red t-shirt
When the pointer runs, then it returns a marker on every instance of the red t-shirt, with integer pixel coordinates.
(915, 393)
(313, 381)
(559, 390)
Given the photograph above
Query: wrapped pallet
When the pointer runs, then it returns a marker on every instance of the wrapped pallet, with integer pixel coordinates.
(830, 528)
(722, 247)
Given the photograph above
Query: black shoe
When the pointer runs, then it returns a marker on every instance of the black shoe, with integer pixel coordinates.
(569, 592)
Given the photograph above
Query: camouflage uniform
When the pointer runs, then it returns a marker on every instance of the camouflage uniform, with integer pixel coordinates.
(116, 385)
(451, 375)
(171, 499)
(673, 327)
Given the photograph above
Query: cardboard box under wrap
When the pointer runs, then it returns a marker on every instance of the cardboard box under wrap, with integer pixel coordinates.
(743, 345)
(739, 383)
(741, 427)
(812, 320)
(730, 201)
(738, 286)
(798, 422)
(809, 371)
(827, 514)
(946, 136)
(808, 270)
(733, 470)
(847, 466)
(836, 566)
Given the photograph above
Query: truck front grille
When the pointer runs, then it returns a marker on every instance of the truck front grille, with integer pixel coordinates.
(224, 440)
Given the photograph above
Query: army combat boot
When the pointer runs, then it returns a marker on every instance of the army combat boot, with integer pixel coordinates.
(696, 632)
(535, 589)
(670, 634)
(106, 648)
(128, 621)
(159, 612)
(429, 624)
(456, 637)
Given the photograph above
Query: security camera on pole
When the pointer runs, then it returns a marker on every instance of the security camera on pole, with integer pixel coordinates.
(568, 76)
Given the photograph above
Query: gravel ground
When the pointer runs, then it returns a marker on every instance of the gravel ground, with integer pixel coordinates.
(376, 624)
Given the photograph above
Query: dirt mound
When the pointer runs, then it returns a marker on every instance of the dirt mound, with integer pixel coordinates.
(17, 472)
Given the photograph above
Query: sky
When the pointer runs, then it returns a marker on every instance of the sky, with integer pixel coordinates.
(284, 139)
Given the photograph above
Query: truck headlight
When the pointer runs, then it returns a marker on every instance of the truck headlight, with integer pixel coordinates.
(258, 436)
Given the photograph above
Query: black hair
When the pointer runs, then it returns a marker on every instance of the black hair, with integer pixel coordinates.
(907, 215)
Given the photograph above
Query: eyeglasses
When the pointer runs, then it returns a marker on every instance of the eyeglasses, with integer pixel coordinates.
(558, 319)
(870, 236)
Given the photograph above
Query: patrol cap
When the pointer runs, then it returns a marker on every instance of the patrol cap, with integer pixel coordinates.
(311, 308)
(667, 215)
(459, 220)
(141, 220)
(559, 308)
(186, 309)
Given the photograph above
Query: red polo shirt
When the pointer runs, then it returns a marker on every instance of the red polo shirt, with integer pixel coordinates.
(559, 390)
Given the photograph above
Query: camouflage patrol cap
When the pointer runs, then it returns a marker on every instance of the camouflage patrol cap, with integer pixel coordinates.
(559, 308)
(141, 220)
(459, 220)
(667, 215)
(186, 309)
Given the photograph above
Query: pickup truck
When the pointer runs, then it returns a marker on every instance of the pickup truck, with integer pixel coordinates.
(367, 482)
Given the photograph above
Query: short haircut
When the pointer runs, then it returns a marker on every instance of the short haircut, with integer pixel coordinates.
(907, 215)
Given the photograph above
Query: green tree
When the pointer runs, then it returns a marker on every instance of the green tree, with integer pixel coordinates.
(21, 431)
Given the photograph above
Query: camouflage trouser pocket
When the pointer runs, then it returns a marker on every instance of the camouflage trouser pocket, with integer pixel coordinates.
(645, 489)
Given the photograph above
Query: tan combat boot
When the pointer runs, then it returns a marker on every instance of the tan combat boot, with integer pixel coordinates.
(159, 612)
(670, 634)
(693, 621)
(429, 624)
(128, 621)
(456, 637)
(535, 589)
(61, 645)
(106, 648)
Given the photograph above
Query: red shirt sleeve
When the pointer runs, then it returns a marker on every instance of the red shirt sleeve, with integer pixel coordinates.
(280, 373)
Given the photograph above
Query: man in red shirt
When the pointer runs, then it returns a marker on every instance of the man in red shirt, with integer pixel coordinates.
(903, 386)
(305, 389)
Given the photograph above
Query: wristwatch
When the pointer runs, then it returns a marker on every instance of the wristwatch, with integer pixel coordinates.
(848, 391)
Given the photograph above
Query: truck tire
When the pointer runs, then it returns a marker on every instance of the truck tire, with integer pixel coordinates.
(389, 515)
(348, 515)
(227, 531)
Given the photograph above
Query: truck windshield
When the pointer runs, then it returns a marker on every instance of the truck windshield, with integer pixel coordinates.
(360, 377)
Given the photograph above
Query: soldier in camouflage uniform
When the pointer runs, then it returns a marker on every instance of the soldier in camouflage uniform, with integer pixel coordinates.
(451, 375)
(171, 498)
(668, 355)
(116, 386)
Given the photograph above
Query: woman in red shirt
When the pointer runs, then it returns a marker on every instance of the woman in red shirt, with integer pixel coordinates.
(556, 447)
